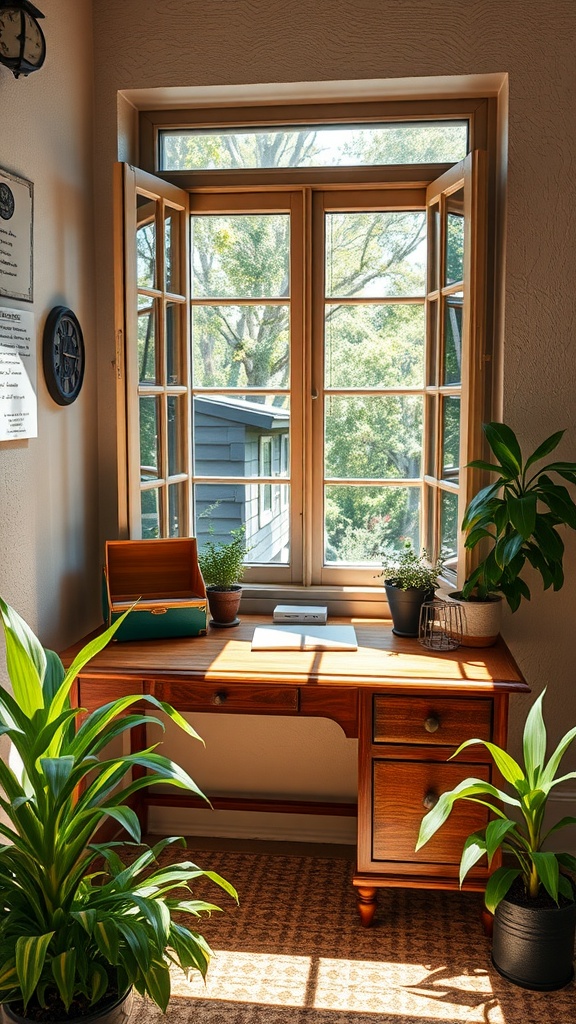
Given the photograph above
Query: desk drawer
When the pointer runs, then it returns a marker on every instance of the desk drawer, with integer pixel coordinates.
(225, 697)
(441, 721)
(403, 792)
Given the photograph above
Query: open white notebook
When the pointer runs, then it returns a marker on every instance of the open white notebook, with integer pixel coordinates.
(304, 638)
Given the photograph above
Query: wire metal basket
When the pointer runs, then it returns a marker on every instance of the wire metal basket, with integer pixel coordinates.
(440, 625)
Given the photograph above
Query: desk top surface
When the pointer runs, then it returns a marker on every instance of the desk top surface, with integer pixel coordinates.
(382, 659)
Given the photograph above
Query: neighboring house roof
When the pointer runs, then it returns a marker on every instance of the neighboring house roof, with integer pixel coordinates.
(265, 417)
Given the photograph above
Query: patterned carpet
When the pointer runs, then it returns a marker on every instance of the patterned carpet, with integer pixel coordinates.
(293, 952)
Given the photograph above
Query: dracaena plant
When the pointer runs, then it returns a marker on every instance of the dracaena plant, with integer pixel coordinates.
(523, 836)
(517, 517)
(79, 926)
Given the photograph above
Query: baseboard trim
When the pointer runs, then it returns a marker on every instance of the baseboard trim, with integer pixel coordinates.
(302, 828)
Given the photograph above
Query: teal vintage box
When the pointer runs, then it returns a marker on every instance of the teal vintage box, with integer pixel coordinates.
(164, 578)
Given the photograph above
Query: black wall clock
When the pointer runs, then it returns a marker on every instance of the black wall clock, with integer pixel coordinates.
(63, 355)
(22, 43)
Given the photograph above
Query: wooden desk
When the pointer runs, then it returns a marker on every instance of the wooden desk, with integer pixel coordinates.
(408, 707)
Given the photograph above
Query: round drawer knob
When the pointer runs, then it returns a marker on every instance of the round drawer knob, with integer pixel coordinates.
(430, 800)
(432, 723)
(220, 697)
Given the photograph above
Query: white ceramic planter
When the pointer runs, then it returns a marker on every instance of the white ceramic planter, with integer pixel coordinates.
(480, 619)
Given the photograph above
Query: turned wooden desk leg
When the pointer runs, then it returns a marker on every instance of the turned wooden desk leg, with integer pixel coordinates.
(138, 743)
(366, 905)
(487, 922)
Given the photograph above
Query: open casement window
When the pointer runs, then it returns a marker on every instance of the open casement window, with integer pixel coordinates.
(456, 355)
(306, 362)
(157, 371)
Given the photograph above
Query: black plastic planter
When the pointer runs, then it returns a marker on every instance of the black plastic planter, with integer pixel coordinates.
(534, 946)
(112, 1011)
(405, 608)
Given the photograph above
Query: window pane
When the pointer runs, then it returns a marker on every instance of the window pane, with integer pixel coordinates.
(455, 237)
(374, 346)
(241, 346)
(314, 146)
(176, 407)
(177, 510)
(147, 342)
(373, 437)
(361, 521)
(453, 340)
(174, 347)
(171, 247)
(150, 513)
(449, 528)
(451, 438)
(228, 433)
(375, 254)
(240, 256)
(146, 242)
(149, 451)
(221, 508)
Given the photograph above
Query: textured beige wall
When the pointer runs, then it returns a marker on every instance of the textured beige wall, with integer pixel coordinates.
(49, 486)
(175, 43)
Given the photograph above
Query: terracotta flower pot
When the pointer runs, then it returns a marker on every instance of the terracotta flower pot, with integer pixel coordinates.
(224, 605)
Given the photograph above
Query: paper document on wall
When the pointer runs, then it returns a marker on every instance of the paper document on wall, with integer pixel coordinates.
(304, 638)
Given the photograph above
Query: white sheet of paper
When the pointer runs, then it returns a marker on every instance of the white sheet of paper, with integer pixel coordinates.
(304, 638)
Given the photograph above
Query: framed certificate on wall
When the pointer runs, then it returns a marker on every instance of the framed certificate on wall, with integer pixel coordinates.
(16, 241)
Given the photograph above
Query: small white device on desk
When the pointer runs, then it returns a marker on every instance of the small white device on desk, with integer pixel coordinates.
(317, 614)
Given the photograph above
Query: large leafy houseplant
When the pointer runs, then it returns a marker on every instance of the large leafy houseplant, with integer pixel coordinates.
(521, 837)
(517, 517)
(78, 926)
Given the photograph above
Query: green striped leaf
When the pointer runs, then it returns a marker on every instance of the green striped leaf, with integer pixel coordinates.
(496, 832)
(157, 981)
(106, 936)
(98, 982)
(25, 660)
(30, 957)
(64, 972)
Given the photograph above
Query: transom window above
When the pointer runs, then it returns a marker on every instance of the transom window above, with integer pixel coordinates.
(313, 146)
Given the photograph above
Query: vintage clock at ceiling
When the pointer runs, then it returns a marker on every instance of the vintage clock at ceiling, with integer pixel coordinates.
(63, 355)
(22, 43)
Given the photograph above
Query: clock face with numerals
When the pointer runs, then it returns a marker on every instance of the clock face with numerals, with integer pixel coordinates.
(63, 355)
(22, 43)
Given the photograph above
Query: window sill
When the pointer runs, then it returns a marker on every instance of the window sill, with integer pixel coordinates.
(361, 602)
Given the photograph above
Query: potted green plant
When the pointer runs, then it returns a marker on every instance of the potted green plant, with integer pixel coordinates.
(409, 580)
(222, 566)
(79, 927)
(516, 518)
(533, 897)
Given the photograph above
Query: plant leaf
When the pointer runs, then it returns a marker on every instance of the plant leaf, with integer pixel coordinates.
(504, 444)
(545, 448)
(25, 660)
(473, 850)
(498, 885)
(549, 773)
(547, 868)
(534, 742)
(522, 513)
(30, 956)
(64, 971)
(496, 832)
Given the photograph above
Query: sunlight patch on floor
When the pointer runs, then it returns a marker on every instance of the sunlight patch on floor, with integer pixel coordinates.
(406, 989)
